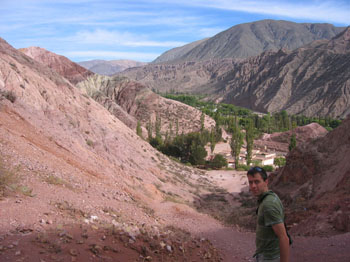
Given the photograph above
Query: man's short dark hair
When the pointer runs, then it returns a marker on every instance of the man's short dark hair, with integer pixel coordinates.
(256, 169)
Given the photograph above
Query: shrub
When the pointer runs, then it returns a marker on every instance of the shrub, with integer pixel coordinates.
(279, 161)
(243, 167)
(9, 95)
(218, 162)
(6, 179)
(268, 168)
(89, 142)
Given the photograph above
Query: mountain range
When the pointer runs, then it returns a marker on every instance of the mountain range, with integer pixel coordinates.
(111, 67)
(312, 79)
(251, 39)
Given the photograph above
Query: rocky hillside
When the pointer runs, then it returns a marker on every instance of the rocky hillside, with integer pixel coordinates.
(315, 183)
(280, 141)
(129, 101)
(251, 39)
(62, 65)
(143, 104)
(185, 77)
(312, 80)
(66, 162)
(175, 53)
(109, 68)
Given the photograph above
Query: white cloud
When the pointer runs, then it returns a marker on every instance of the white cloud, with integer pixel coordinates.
(109, 55)
(106, 37)
(330, 11)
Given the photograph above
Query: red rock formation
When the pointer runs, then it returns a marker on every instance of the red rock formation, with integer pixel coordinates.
(316, 179)
(280, 141)
(62, 65)
(142, 104)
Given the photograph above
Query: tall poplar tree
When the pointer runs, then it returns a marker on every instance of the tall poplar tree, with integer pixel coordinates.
(139, 129)
(158, 127)
(293, 142)
(236, 141)
(149, 130)
(249, 137)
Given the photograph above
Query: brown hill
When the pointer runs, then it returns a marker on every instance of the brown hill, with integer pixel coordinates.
(251, 39)
(143, 104)
(315, 183)
(280, 141)
(66, 162)
(62, 65)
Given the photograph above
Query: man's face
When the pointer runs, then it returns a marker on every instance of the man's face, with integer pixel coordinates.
(257, 185)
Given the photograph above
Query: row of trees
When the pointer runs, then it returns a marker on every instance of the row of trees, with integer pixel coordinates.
(188, 148)
(269, 123)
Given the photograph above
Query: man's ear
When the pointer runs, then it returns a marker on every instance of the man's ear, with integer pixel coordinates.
(267, 181)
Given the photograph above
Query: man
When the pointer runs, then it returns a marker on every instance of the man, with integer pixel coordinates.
(272, 242)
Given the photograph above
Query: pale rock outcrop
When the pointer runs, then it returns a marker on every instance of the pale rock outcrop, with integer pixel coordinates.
(144, 105)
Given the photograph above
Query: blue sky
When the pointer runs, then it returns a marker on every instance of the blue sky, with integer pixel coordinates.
(142, 30)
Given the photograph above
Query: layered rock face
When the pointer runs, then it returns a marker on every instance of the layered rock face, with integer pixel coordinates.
(62, 65)
(143, 104)
(315, 182)
(251, 39)
(185, 77)
(312, 80)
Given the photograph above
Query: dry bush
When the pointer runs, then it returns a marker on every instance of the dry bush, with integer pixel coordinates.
(7, 180)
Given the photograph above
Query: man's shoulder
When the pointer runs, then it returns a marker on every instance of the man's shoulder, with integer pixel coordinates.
(271, 199)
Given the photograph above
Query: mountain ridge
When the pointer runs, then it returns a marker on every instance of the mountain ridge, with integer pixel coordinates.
(104, 67)
(251, 39)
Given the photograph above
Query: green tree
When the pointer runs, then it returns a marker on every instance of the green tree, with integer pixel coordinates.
(202, 121)
(198, 153)
(170, 130)
(158, 126)
(212, 140)
(279, 161)
(218, 162)
(149, 127)
(249, 136)
(285, 120)
(236, 142)
(139, 129)
(177, 127)
(218, 132)
(293, 142)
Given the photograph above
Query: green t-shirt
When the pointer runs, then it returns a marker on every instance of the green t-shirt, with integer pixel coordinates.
(270, 213)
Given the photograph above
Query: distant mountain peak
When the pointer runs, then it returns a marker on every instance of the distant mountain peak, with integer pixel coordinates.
(251, 39)
(111, 67)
